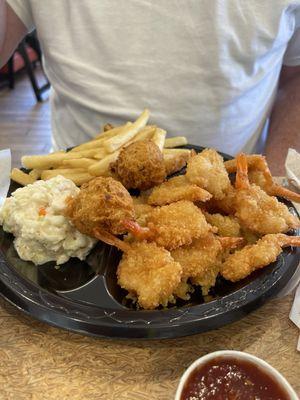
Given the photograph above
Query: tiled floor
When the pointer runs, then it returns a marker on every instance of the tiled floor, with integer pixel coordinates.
(24, 123)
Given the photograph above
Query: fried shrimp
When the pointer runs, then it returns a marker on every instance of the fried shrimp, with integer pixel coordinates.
(260, 175)
(102, 203)
(171, 226)
(256, 210)
(227, 225)
(146, 271)
(207, 170)
(140, 165)
(175, 189)
(201, 260)
(252, 257)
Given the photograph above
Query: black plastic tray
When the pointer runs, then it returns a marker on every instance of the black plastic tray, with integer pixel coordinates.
(84, 296)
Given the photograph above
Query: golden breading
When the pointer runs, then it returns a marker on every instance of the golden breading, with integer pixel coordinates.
(207, 170)
(175, 189)
(140, 165)
(177, 224)
(200, 261)
(262, 213)
(256, 210)
(101, 203)
(252, 257)
(174, 163)
(150, 274)
(141, 209)
(226, 225)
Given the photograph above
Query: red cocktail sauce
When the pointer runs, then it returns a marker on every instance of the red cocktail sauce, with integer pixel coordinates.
(225, 378)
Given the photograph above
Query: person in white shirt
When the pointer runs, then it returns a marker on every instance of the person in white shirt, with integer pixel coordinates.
(209, 70)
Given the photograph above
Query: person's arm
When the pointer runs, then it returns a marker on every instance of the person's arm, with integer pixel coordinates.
(12, 31)
(284, 129)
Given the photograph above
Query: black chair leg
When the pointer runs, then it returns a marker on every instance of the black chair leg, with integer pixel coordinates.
(11, 74)
(29, 69)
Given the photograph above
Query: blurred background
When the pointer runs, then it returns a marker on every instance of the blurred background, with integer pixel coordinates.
(24, 102)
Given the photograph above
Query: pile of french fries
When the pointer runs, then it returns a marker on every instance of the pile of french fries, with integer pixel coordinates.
(93, 158)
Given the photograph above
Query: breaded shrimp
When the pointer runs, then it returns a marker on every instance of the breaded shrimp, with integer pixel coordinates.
(259, 173)
(101, 203)
(171, 226)
(140, 165)
(225, 205)
(207, 170)
(142, 209)
(256, 210)
(252, 257)
(175, 162)
(175, 189)
(227, 225)
(202, 259)
(146, 271)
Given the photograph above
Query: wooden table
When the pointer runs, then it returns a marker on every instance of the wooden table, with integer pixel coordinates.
(38, 362)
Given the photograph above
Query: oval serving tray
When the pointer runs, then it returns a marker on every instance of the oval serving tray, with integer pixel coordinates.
(84, 296)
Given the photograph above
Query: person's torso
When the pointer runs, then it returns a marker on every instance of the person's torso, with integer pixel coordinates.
(206, 69)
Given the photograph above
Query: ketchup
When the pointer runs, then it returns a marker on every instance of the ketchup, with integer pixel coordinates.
(225, 378)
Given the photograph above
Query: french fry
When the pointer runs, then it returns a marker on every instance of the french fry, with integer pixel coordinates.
(84, 163)
(47, 161)
(21, 177)
(35, 174)
(176, 151)
(127, 133)
(144, 134)
(159, 138)
(102, 166)
(92, 144)
(176, 141)
(78, 177)
(112, 132)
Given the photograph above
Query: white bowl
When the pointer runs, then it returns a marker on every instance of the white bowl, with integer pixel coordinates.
(241, 356)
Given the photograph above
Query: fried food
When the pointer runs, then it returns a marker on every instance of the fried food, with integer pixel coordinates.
(225, 205)
(256, 210)
(102, 203)
(259, 173)
(202, 259)
(142, 209)
(252, 257)
(175, 162)
(171, 226)
(146, 271)
(207, 170)
(140, 165)
(175, 189)
(227, 225)
(272, 188)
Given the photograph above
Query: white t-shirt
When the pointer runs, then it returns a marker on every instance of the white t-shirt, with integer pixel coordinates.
(207, 69)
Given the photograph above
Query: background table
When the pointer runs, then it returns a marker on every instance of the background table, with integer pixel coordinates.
(41, 362)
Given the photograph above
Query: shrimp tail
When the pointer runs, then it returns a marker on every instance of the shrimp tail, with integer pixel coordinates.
(242, 181)
(141, 233)
(230, 242)
(286, 240)
(108, 238)
(277, 190)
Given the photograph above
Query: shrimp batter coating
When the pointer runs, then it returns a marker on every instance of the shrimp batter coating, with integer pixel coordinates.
(175, 162)
(201, 260)
(256, 210)
(227, 225)
(207, 170)
(140, 165)
(175, 189)
(252, 257)
(171, 226)
(101, 203)
(142, 209)
(149, 273)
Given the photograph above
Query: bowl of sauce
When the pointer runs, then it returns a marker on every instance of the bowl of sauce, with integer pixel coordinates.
(233, 375)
